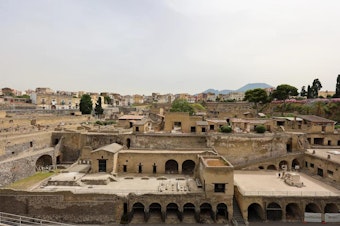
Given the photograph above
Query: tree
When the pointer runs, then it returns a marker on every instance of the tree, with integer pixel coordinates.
(309, 92)
(256, 96)
(316, 87)
(303, 92)
(182, 105)
(226, 129)
(98, 109)
(85, 105)
(337, 88)
(107, 100)
(260, 129)
(283, 92)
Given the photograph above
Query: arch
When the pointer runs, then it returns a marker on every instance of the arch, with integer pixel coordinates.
(271, 167)
(295, 164)
(188, 167)
(43, 162)
(189, 213)
(128, 143)
(293, 212)
(312, 208)
(155, 211)
(206, 213)
(171, 166)
(255, 212)
(172, 213)
(331, 208)
(274, 212)
(261, 167)
(138, 213)
(283, 163)
(138, 205)
(222, 211)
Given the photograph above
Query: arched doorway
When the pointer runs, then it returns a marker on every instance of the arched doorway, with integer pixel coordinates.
(271, 167)
(274, 212)
(44, 162)
(206, 213)
(222, 213)
(171, 166)
(331, 208)
(283, 165)
(312, 208)
(255, 213)
(189, 213)
(188, 167)
(128, 143)
(138, 213)
(172, 213)
(155, 211)
(295, 164)
(293, 212)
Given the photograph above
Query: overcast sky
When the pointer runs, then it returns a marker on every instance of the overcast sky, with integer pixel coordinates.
(167, 46)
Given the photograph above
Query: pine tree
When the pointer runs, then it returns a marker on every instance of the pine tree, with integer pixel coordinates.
(98, 109)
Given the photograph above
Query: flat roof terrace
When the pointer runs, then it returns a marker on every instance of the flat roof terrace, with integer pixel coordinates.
(332, 155)
(266, 183)
(103, 183)
(215, 161)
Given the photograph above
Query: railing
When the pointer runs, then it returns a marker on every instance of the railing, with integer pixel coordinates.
(12, 219)
(290, 193)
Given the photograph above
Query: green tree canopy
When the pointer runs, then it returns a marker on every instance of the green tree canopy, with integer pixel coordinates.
(337, 88)
(316, 87)
(182, 105)
(303, 92)
(283, 92)
(85, 105)
(256, 96)
(98, 108)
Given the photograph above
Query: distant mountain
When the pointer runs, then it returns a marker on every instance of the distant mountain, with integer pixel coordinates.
(242, 89)
(253, 86)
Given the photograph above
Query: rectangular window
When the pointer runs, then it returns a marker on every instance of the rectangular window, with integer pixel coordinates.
(306, 164)
(311, 165)
(137, 128)
(193, 129)
(330, 173)
(212, 127)
(219, 188)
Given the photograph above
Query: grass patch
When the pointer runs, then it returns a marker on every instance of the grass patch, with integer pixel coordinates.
(28, 182)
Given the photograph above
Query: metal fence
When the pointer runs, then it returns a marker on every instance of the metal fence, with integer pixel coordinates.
(12, 219)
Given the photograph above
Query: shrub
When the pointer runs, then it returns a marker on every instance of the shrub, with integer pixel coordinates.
(225, 129)
(260, 129)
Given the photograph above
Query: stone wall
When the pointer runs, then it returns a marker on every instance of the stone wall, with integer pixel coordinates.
(167, 141)
(243, 148)
(64, 207)
(14, 145)
(15, 169)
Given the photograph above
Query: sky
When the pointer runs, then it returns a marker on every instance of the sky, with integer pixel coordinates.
(167, 46)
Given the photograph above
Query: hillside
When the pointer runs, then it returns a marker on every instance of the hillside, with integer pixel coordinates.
(242, 89)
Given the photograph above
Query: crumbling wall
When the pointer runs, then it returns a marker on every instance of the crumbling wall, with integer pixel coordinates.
(245, 148)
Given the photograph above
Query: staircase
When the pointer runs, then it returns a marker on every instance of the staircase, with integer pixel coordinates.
(237, 216)
(12, 219)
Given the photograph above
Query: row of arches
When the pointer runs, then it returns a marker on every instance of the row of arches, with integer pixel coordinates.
(295, 164)
(173, 213)
(292, 211)
(188, 167)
